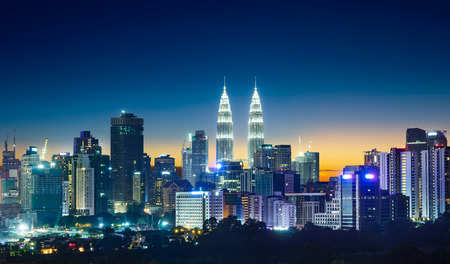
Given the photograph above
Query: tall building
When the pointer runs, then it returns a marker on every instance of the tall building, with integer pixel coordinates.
(147, 175)
(268, 183)
(264, 157)
(308, 167)
(85, 144)
(278, 213)
(410, 185)
(360, 197)
(384, 170)
(255, 127)
(170, 189)
(416, 139)
(229, 175)
(199, 155)
(30, 160)
(436, 138)
(127, 148)
(434, 163)
(163, 172)
(225, 140)
(186, 154)
(9, 161)
(193, 208)
(395, 169)
(307, 206)
(283, 157)
(85, 185)
(372, 158)
(46, 193)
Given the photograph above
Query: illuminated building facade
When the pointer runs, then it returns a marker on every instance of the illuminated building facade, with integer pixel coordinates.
(127, 148)
(255, 127)
(264, 157)
(199, 154)
(163, 173)
(283, 158)
(307, 165)
(193, 208)
(225, 139)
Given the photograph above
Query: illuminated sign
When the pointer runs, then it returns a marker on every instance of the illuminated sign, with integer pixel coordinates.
(434, 133)
(196, 193)
(165, 173)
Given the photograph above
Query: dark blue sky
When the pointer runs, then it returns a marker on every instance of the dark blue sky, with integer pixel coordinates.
(339, 73)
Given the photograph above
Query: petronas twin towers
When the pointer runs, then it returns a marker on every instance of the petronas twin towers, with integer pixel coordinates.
(225, 139)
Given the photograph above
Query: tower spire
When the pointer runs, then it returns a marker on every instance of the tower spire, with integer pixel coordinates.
(255, 82)
(14, 143)
(224, 86)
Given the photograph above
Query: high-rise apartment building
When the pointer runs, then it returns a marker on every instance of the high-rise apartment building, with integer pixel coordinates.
(127, 148)
(225, 139)
(29, 161)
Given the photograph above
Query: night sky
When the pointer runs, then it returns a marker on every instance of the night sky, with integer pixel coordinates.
(347, 75)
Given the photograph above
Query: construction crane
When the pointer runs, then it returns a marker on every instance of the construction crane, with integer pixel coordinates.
(44, 149)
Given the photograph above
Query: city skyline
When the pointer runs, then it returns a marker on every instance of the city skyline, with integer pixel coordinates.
(347, 87)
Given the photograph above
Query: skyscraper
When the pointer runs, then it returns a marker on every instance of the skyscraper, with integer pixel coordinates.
(308, 167)
(255, 127)
(225, 140)
(283, 157)
(85, 144)
(199, 154)
(127, 148)
(186, 154)
(163, 172)
(264, 157)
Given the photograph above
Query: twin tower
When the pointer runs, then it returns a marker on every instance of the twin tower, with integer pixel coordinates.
(225, 139)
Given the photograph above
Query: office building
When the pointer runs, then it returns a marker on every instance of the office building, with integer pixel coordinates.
(264, 157)
(278, 213)
(228, 174)
(193, 208)
(85, 144)
(283, 157)
(255, 127)
(199, 155)
(360, 196)
(147, 176)
(9, 187)
(267, 183)
(29, 161)
(225, 139)
(307, 206)
(163, 172)
(186, 154)
(372, 158)
(307, 165)
(127, 148)
(331, 218)
(169, 191)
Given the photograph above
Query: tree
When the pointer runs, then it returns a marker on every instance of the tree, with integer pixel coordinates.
(108, 231)
(253, 225)
(210, 223)
(230, 223)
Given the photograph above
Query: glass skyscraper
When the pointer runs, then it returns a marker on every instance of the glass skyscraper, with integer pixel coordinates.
(127, 148)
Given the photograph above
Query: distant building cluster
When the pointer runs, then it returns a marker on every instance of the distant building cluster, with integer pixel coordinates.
(276, 188)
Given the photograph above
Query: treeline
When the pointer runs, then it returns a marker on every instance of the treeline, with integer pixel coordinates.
(230, 241)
